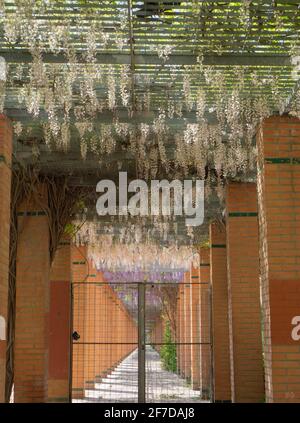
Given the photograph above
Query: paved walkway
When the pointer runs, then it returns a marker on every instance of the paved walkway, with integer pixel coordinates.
(122, 384)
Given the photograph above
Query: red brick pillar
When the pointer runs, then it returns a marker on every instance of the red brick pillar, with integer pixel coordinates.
(5, 178)
(131, 335)
(123, 330)
(244, 295)
(90, 327)
(108, 324)
(111, 335)
(118, 330)
(159, 329)
(195, 329)
(32, 301)
(205, 324)
(123, 334)
(80, 272)
(114, 329)
(162, 329)
(60, 324)
(101, 329)
(181, 330)
(177, 337)
(187, 326)
(279, 211)
(156, 333)
(220, 324)
(98, 338)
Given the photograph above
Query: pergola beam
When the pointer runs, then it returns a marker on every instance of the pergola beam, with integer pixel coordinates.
(108, 117)
(24, 57)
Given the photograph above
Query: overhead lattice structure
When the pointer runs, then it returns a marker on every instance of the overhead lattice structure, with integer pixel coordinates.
(152, 87)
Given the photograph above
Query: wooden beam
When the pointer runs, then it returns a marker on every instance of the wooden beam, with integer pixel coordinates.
(108, 117)
(23, 56)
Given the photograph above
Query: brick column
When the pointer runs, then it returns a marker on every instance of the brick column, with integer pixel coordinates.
(121, 322)
(158, 333)
(205, 324)
(113, 332)
(181, 330)
(32, 301)
(195, 328)
(5, 178)
(80, 271)
(123, 330)
(220, 324)
(187, 326)
(244, 296)
(131, 334)
(126, 332)
(60, 324)
(177, 337)
(90, 327)
(279, 211)
(108, 331)
(100, 335)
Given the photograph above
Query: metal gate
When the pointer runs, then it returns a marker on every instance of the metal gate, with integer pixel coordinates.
(141, 342)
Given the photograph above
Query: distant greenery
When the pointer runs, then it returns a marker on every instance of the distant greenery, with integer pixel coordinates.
(168, 351)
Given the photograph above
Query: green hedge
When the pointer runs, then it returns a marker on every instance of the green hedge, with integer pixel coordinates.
(168, 351)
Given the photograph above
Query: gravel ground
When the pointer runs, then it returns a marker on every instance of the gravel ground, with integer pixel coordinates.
(122, 384)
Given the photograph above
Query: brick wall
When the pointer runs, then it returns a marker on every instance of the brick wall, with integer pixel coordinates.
(244, 293)
(32, 302)
(279, 200)
(5, 177)
(220, 324)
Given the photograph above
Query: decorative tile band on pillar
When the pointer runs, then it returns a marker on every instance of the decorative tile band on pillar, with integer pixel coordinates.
(5, 188)
(32, 302)
(220, 324)
(278, 186)
(244, 293)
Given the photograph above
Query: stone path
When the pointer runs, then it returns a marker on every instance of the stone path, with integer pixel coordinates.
(122, 384)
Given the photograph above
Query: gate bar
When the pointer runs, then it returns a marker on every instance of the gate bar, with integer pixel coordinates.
(141, 344)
